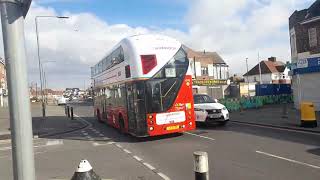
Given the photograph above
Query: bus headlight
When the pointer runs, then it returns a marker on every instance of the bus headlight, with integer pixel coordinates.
(190, 123)
(151, 128)
(183, 126)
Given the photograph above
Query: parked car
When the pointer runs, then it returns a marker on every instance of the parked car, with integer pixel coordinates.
(209, 111)
(62, 100)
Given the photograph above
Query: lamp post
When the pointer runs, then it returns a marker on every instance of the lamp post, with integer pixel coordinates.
(248, 77)
(39, 61)
(45, 82)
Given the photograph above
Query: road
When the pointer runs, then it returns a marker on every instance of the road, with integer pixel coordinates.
(237, 151)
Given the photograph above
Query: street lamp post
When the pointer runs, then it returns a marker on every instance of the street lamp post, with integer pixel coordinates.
(39, 61)
(248, 77)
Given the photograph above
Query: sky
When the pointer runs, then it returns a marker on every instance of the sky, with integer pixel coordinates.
(236, 29)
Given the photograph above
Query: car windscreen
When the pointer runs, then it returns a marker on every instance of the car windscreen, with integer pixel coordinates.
(199, 99)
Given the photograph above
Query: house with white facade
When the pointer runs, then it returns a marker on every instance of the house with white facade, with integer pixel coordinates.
(272, 72)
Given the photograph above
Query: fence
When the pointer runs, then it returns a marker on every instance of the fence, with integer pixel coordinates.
(255, 102)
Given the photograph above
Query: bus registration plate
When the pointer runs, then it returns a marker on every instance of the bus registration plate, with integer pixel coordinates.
(170, 128)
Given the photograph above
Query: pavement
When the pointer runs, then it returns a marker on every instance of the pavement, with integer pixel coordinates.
(271, 115)
(56, 121)
(236, 151)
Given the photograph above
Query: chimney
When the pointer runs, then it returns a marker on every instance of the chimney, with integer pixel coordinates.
(272, 59)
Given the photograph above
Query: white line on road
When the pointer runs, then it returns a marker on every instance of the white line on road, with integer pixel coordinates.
(86, 134)
(286, 159)
(200, 136)
(118, 145)
(127, 151)
(137, 158)
(163, 176)
(54, 142)
(149, 166)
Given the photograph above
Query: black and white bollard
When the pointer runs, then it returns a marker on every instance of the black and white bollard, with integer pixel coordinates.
(201, 165)
(85, 172)
(71, 109)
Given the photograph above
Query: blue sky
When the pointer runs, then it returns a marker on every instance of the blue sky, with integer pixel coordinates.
(146, 13)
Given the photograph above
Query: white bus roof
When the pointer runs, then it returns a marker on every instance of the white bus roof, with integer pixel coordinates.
(163, 47)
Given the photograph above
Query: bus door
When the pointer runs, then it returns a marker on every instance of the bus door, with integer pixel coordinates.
(136, 108)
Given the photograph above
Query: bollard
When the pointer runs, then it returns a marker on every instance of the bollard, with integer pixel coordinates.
(65, 110)
(308, 115)
(68, 111)
(71, 109)
(201, 165)
(85, 172)
(241, 109)
(284, 110)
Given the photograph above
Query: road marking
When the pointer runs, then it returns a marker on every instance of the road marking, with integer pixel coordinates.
(101, 135)
(127, 151)
(286, 159)
(86, 134)
(54, 142)
(149, 166)
(118, 145)
(101, 144)
(163, 176)
(200, 136)
(137, 158)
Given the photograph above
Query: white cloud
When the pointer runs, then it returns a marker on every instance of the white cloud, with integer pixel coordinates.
(235, 29)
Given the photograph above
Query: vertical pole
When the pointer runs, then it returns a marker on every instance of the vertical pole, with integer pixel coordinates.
(259, 68)
(20, 117)
(1, 98)
(201, 165)
(40, 71)
(248, 77)
(194, 65)
(71, 109)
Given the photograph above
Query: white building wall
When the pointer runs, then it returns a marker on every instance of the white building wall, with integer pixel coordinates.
(306, 88)
(265, 78)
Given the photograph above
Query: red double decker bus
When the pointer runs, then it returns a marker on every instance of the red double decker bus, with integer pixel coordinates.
(143, 87)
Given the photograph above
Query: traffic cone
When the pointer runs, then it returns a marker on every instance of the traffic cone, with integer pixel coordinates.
(85, 172)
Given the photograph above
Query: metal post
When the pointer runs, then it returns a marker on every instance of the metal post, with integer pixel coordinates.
(68, 111)
(248, 77)
(40, 71)
(259, 68)
(201, 165)
(71, 109)
(12, 18)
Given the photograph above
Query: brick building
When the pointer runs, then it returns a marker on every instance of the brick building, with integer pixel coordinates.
(209, 71)
(304, 27)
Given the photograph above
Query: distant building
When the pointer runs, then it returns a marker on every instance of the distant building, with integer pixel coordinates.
(272, 72)
(3, 79)
(304, 27)
(209, 71)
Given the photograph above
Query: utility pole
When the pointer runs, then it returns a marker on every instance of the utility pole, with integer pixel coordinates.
(12, 18)
(248, 77)
(259, 68)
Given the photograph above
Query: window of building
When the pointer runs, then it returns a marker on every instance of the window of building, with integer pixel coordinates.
(255, 79)
(204, 71)
(312, 37)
